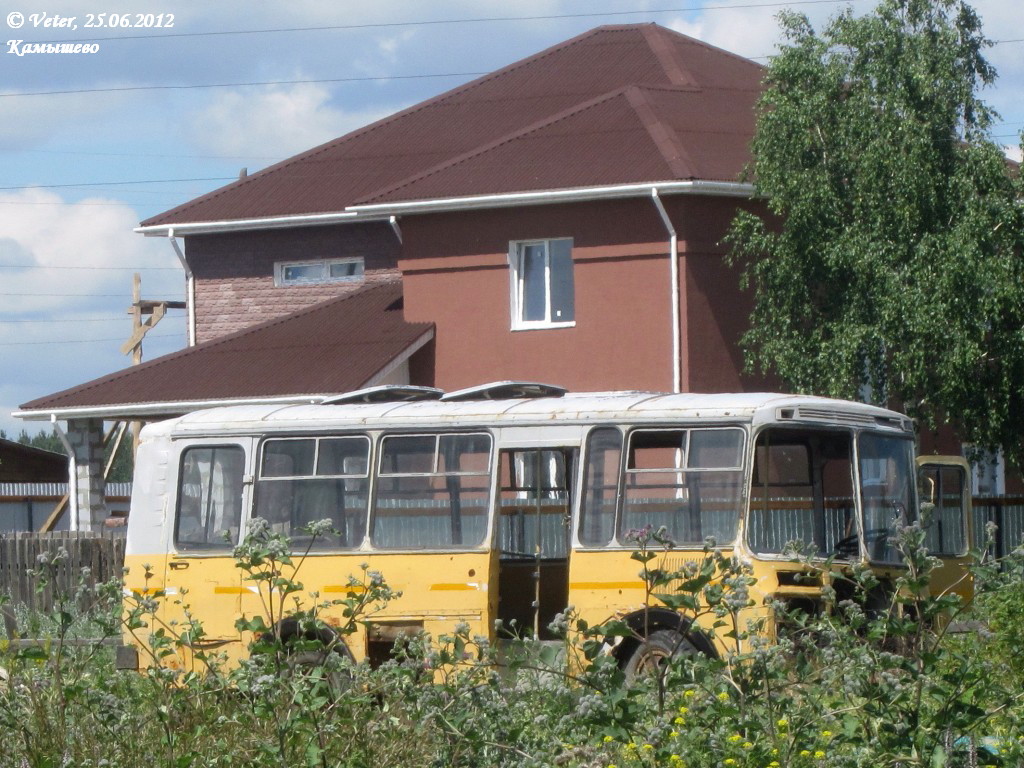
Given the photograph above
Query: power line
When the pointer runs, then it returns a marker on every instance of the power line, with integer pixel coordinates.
(112, 319)
(78, 341)
(117, 183)
(77, 295)
(147, 154)
(120, 203)
(314, 81)
(241, 85)
(88, 267)
(438, 22)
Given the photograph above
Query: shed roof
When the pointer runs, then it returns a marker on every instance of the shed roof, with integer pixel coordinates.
(615, 105)
(332, 347)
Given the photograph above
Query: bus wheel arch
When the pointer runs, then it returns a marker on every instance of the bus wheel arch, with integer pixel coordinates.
(660, 634)
(291, 629)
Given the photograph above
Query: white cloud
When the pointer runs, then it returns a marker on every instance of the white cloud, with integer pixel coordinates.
(1014, 153)
(69, 248)
(390, 45)
(280, 120)
(65, 285)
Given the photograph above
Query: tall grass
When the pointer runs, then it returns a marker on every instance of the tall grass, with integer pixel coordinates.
(856, 685)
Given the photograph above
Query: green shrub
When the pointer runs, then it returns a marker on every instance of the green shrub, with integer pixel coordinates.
(862, 684)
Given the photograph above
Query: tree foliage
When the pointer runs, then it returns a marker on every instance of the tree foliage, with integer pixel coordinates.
(889, 259)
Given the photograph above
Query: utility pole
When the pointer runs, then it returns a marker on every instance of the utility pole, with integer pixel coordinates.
(153, 311)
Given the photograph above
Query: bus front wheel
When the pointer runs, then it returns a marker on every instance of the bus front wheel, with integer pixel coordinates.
(653, 653)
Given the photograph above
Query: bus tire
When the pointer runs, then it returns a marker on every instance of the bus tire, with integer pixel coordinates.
(333, 647)
(651, 654)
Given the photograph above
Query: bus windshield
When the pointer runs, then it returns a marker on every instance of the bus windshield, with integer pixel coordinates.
(886, 479)
(802, 493)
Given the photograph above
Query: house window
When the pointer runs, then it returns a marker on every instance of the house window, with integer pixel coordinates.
(347, 270)
(542, 284)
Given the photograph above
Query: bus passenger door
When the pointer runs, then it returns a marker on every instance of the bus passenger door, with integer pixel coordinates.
(944, 490)
(534, 510)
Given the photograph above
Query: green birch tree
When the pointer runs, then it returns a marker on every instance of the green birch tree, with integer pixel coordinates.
(888, 260)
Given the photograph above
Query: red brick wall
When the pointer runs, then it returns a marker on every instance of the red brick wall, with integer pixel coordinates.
(234, 272)
(456, 275)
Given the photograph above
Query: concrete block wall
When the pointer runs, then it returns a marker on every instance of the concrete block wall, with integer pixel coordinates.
(234, 272)
(86, 438)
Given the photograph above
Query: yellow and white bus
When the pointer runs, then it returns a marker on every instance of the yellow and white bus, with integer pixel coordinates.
(510, 501)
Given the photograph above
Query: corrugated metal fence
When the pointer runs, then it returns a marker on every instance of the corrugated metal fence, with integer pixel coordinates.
(91, 559)
(25, 506)
(1007, 513)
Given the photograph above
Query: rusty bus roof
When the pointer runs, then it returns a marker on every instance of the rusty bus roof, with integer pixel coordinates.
(573, 407)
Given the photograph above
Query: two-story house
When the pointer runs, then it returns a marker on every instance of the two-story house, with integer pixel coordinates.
(557, 220)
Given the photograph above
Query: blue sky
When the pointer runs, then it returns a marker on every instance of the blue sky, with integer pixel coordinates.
(135, 130)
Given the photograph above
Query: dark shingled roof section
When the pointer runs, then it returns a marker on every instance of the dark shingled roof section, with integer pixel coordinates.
(332, 347)
(538, 123)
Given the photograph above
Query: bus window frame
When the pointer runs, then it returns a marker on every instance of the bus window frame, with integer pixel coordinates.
(245, 511)
(626, 429)
(854, 433)
(911, 513)
(257, 476)
(486, 542)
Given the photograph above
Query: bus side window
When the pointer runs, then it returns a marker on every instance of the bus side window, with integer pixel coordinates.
(432, 491)
(303, 481)
(209, 498)
(685, 482)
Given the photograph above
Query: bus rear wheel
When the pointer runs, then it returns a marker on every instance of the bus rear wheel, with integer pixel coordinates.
(653, 653)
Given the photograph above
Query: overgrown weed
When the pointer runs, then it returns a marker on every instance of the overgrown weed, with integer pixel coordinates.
(861, 683)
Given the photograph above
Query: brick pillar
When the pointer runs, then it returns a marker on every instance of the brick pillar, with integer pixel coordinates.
(86, 438)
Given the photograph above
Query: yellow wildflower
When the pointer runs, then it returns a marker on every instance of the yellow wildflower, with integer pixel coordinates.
(608, 739)
(675, 760)
(805, 753)
(647, 747)
(688, 694)
(735, 737)
(729, 761)
(684, 711)
(673, 734)
(773, 764)
(723, 696)
(782, 722)
(747, 745)
(819, 753)
(679, 721)
(826, 734)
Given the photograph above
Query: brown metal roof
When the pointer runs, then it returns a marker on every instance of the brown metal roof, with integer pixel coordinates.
(522, 117)
(335, 346)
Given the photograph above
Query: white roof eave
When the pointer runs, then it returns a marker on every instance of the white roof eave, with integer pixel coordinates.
(384, 211)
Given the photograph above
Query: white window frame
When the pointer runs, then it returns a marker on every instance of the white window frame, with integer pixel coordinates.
(515, 258)
(325, 271)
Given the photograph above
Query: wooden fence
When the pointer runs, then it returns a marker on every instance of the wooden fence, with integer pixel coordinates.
(91, 559)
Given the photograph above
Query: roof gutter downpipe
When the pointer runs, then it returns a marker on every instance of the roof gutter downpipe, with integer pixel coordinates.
(190, 287)
(673, 248)
(72, 473)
